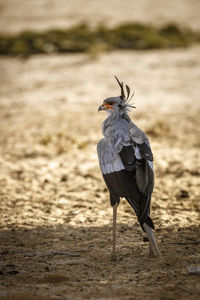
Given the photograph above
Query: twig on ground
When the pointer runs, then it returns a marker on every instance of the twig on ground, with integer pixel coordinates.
(185, 243)
(62, 253)
(53, 253)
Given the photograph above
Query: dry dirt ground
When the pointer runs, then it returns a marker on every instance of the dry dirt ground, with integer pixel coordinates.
(55, 226)
(53, 199)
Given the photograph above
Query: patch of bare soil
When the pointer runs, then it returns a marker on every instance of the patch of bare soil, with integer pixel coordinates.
(55, 227)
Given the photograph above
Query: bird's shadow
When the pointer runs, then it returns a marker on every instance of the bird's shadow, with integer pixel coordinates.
(89, 242)
(80, 254)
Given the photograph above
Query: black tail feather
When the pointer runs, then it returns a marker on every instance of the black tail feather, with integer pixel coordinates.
(149, 222)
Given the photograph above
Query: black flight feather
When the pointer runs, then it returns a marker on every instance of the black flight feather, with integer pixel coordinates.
(135, 183)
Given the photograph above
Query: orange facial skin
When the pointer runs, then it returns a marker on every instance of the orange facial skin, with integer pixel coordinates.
(107, 106)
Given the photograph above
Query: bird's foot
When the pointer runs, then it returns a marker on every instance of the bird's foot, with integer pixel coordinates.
(154, 253)
(151, 253)
(113, 257)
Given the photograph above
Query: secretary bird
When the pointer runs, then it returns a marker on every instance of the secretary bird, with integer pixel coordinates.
(126, 163)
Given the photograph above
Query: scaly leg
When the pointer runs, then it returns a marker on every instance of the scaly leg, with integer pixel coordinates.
(152, 241)
(113, 257)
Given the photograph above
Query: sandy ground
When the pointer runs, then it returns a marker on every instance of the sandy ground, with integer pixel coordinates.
(17, 15)
(55, 226)
(53, 198)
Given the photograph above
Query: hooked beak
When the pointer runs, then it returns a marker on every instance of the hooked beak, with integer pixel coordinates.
(101, 107)
(104, 106)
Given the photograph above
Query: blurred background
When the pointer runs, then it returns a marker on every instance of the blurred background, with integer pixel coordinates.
(20, 15)
(95, 27)
(57, 64)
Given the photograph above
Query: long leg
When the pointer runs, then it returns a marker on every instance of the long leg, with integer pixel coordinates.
(114, 257)
(152, 241)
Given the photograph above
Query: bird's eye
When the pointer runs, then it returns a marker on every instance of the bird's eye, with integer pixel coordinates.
(110, 103)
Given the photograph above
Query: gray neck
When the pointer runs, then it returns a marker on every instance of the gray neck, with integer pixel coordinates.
(121, 114)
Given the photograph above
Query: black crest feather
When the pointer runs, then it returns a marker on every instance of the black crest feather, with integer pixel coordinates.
(122, 96)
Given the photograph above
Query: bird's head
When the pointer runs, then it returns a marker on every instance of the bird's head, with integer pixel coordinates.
(118, 104)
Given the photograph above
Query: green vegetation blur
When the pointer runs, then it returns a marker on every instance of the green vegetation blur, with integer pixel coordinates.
(82, 38)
